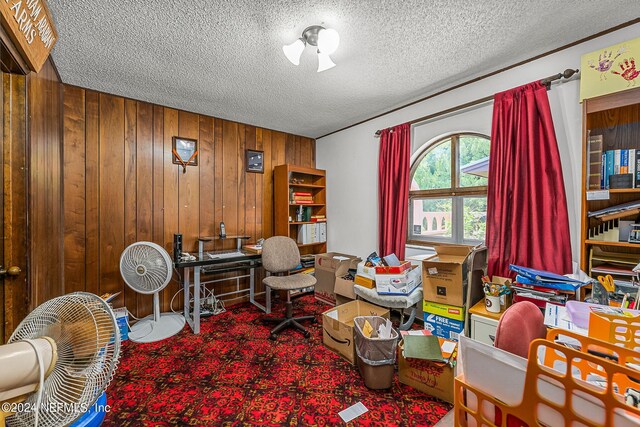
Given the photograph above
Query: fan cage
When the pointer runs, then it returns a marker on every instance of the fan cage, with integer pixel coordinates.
(146, 267)
(88, 344)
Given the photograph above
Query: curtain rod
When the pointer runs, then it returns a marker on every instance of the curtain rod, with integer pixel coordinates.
(568, 73)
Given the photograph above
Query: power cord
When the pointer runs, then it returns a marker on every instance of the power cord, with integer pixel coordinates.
(41, 379)
(217, 305)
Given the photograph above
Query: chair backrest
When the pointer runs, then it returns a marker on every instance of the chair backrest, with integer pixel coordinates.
(280, 254)
(520, 324)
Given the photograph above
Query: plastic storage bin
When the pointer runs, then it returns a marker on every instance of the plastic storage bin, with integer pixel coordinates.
(376, 356)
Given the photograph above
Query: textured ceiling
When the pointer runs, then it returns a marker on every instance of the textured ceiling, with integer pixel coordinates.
(224, 58)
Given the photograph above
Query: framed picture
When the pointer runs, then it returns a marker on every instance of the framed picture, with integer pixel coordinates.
(254, 161)
(185, 152)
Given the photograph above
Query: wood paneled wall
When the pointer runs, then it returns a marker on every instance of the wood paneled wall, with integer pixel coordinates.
(120, 185)
(14, 295)
(45, 248)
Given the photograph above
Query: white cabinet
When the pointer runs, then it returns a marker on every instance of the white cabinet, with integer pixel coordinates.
(483, 328)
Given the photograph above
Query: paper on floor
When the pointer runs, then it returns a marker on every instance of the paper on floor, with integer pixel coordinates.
(353, 412)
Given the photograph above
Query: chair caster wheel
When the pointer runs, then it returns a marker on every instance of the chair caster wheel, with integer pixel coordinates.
(307, 334)
(273, 337)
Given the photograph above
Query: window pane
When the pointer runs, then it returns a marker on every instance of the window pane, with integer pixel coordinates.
(434, 170)
(475, 217)
(431, 218)
(474, 160)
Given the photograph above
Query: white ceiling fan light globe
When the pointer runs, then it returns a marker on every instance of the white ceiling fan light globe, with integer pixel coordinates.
(328, 40)
(324, 62)
(293, 51)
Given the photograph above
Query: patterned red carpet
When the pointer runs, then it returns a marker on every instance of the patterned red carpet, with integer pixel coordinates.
(232, 374)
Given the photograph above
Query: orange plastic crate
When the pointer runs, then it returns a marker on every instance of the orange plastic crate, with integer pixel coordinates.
(536, 408)
(620, 330)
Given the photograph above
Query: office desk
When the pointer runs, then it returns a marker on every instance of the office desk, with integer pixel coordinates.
(214, 262)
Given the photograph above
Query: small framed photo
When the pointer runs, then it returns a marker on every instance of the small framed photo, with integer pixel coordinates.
(185, 151)
(254, 160)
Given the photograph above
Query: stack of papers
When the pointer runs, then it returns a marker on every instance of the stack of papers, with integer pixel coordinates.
(556, 316)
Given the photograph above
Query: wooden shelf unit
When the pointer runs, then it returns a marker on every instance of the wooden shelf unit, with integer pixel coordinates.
(309, 181)
(617, 118)
(617, 244)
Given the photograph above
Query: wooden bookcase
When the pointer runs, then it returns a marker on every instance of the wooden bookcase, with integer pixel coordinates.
(290, 179)
(616, 117)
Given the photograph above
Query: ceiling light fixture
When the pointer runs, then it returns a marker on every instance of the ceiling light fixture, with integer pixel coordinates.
(326, 41)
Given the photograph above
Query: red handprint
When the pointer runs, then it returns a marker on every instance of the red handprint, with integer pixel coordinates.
(628, 71)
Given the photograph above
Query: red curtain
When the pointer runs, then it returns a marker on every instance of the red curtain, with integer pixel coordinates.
(527, 221)
(393, 189)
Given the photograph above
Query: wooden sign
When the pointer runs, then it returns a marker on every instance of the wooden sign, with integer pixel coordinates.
(30, 27)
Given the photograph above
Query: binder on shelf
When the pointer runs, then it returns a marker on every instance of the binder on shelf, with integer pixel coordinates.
(312, 233)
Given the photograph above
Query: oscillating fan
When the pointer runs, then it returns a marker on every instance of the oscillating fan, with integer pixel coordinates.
(58, 361)
(146, 268)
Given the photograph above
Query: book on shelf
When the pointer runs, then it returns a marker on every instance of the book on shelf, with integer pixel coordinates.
(632, 165)
(603, 164)
(318, 218)
(637, 169)
(302, 193)
(624, 161)
(609, 170)
(595, 163)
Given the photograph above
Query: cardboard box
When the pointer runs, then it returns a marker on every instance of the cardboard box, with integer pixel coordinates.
(394, 269)
(122, 320)
(443, 310)
(327, 268)
(399, 284)
(342, 300)
(344, 287)
(366, 282)
(365, 271)
(337, 326)
(432, 378)
(443, 327)
(444, 277)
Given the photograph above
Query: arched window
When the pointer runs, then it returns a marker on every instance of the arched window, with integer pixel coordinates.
(449, 188)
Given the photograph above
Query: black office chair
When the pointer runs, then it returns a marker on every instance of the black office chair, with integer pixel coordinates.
(280, 255)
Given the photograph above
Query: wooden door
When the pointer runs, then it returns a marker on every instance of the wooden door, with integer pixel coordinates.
(14, 293)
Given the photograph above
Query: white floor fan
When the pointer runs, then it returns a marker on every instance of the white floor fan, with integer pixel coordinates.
(58, 361)
(146, 268)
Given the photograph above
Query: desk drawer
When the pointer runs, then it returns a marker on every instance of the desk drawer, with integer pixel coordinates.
(482, 328)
